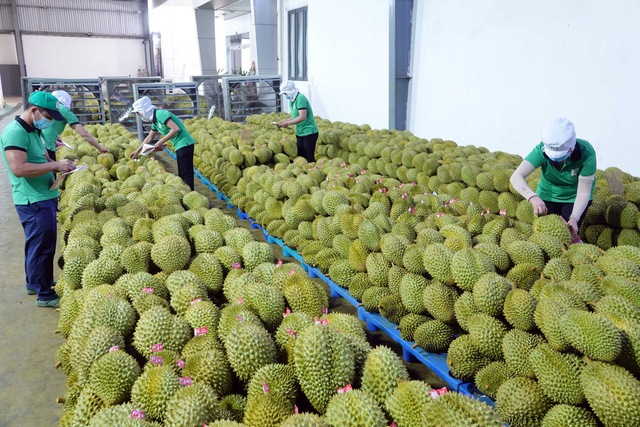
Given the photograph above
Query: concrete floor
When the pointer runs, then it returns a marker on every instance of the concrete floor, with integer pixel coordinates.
(29, 384)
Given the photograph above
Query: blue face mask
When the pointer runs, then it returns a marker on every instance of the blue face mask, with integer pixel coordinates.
(43, 123)
(561, 159)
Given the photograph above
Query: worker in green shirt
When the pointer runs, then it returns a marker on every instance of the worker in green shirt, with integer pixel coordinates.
(302, 117)
(52, 133)
(172, 128)
(568, 174)
(31, 174)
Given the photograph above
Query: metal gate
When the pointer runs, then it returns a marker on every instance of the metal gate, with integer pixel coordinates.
(118, 94)
(247, 95)
(179, 98)
(210, 95)
(87, 101)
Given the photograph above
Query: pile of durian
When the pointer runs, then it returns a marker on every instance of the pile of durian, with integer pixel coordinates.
(173, 315)
(431, 235)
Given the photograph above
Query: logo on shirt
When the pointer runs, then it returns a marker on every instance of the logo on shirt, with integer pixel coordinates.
(574, 172)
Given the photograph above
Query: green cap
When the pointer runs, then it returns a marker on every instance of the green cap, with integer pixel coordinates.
(48, 102)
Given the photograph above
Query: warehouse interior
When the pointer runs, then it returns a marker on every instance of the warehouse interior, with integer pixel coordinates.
(401, 276)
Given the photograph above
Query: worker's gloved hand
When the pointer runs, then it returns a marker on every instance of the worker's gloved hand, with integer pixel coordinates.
(539, 207)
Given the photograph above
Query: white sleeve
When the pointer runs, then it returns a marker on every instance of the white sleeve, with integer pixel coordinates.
(582, 196)
(519, 182)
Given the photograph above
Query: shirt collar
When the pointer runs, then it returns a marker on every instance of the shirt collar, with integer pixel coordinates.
(25, 125)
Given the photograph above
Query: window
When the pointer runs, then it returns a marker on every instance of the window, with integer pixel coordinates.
(298, 44)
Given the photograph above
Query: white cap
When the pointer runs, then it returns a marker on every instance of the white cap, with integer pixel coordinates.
(289, 88)
(63, 97)
(559, 137)
(144, 106)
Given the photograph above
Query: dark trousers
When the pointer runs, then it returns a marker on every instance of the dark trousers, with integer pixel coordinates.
(40, 237)
(564, 210)
(307, 146)
(185, 164)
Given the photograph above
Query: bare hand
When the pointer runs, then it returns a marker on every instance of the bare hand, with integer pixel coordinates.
(103, 150)
(573, 227)
(64, 165)
(135, 153)
(158, 147)
(283, 124)
(539, 208)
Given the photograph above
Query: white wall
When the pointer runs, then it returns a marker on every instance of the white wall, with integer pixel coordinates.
(179, 39)
(8, 54)
(230, 27)
(348, 60)
(75, 57)
(493, 73)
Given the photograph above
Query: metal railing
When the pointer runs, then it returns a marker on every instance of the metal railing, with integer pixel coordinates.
(179, 98)
(247, 95)
(87, 101)
(210, 95)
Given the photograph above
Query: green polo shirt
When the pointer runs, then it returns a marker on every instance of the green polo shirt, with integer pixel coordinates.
(51, 133)
(181, 139)
(561, 184)
(18, 135)
(307, 126)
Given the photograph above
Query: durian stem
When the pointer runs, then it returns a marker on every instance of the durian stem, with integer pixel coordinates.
(57, 365)
(61, 400)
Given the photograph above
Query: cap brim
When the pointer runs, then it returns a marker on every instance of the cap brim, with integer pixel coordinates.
(55, 114)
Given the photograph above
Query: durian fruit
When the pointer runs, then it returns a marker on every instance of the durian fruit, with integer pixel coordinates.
(486, 334)
(124, 415)
(434, 336)
(516, 347)
(171, 253)
(489, 293)
(324, 362)
(553, 225)
(468, 266)
(490, 378)
(86, 407)
(192, 405)
(567, 415)
(207, 267)
(158, 326)
(383, 370)
(276, 378)
(210, 367)
(355, 408)
(267, 409)
(455, 409)
(439, 300)
(519, 307)
(112, 376)
(233, 407)
(249, 347)
(592, 334)
(153, 389)
(464, 359)
(411, 289)
(304, 419)
(409, 323)
(437, 259)
(521, 402)
(558, 374)
(407, 402)
(463, 308)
